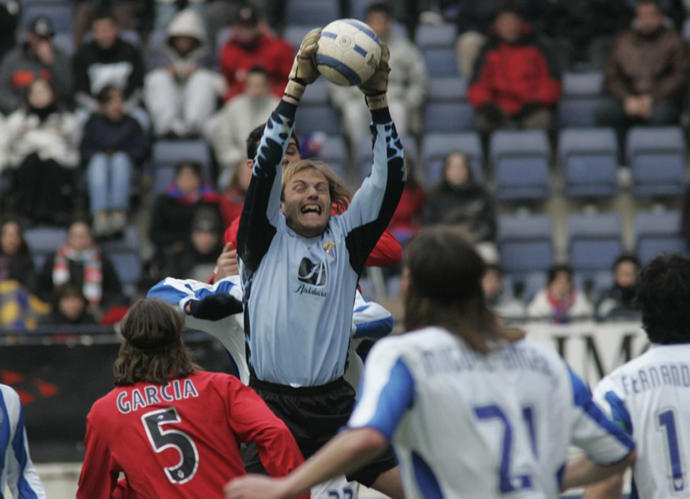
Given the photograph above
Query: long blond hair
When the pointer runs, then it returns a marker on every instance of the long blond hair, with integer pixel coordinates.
(340, 194)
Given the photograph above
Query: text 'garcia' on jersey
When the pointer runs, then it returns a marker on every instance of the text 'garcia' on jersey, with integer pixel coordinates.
(155, 394)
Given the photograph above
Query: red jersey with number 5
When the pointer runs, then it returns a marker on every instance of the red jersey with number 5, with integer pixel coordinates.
(180, 439)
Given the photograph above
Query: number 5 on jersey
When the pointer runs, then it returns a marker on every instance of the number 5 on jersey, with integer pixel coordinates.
(162, 439)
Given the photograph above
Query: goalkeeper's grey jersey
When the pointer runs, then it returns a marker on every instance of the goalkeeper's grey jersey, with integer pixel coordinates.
(299, 292)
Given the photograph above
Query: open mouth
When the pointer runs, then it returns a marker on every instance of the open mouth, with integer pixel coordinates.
(311, 208)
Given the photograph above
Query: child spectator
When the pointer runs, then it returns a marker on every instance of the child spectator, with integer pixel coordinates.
(70, 308)
(107, 60)
(559, 301)
(249, 47)
(173, 211)
(182, 92)
(113, 146)
(36, 57)
(406, 220)
(619, 300)
(39, 149)
(235, 193)
(459, 200)
(16, 263)
(79, 261)
(499, 299)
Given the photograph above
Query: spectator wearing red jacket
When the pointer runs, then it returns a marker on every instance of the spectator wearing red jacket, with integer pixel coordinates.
(406, 220)
(249, 47)
(514, 84)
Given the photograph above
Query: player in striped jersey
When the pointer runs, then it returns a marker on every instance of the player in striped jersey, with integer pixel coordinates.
(650, 396)
(471, 410)
(18, 472)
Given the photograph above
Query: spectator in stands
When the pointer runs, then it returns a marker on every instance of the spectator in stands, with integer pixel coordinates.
(197, 259)
(39, 151)
(248, 47)
(407, 218)
(80, 261)
(36, 57)
(228, 129)
(173, 211)
(237, 190)
(499, 299)
(459, 200)
(514, 83)
(107, 60)
(560, 301)
(16, 263)
(124, 12)
(647, 73)
(474, 20)
(182, 92)
(113, 145)
(70, 308)
(407, 81)
(618, 302)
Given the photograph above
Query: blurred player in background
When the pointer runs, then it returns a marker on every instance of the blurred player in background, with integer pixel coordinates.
(172, 429)
(470, 411)
(649, 397)
(300, 265)
(16, 468)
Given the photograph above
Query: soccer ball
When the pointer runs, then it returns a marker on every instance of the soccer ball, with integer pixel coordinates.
(348, 52)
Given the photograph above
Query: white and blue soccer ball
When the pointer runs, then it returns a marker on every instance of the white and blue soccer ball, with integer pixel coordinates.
(348, 52)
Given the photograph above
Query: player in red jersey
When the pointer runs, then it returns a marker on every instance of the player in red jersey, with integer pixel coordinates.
(171, 428)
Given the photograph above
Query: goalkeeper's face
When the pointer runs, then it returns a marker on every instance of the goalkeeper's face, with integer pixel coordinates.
(307, 202)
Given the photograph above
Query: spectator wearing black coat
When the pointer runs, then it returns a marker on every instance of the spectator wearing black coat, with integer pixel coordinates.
(107, 60)
(459, 200)
(618, 301)
(80, 261)
(174, 210)
(112, 147)
(70, 308)
(15, 259)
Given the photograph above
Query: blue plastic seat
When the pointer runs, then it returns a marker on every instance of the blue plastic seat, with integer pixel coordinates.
(441, 61)
(525, 243)
(43, 241)
(168, 153)
(581, 84)
(448, 88)
(318, 118)
(656, 156)
(520, 160)
(579, 112)
(595, 241)
(448, 116)
(435, 35)
(334, 154)
(363, 156)
(320, 12)
(589, 158)
(436, 146)
(657, 233)
(60, 14)
(128, 267)
(295, 33)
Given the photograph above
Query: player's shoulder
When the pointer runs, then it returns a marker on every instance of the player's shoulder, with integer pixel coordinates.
(9, 394)
(414, 342)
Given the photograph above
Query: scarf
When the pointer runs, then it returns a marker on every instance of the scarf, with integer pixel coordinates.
(205, 193)
(93, 274)
(561, 308)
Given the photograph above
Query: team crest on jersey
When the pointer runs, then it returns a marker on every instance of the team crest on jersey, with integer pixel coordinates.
(329, 248)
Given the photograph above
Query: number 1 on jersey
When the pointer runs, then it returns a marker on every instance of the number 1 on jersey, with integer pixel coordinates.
(667, 424)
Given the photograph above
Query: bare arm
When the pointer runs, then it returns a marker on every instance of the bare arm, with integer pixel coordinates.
(584, 471)
(608, 489)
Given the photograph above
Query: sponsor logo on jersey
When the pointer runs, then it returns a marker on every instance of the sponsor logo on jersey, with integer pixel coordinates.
(312, 273)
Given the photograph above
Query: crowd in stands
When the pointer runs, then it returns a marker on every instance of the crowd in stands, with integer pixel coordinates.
(85, 107)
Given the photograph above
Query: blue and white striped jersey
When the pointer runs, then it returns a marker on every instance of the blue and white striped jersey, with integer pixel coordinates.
(369, 319)
(468, 425)
(650, 398)
(299, 292)
(18, 472)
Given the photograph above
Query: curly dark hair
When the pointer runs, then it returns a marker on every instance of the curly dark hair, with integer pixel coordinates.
(663, 296)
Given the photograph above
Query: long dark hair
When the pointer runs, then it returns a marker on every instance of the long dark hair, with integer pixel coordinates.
(445, 273)
(153, 350)
(23, 246)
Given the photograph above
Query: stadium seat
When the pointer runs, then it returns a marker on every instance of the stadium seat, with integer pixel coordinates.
(435, 35)
(436, 146)
(318, 118)
(162, 177)
(521, 164)
(441, 61)
(129, 242)
(657, 233)
(525, 243)
(656, 156)
(128, 267)
(60, 14)
(595, 241)
(43, 241)
(128, 35)
(579, 112)
(317, 94)
(167, 153)
(581, 84)
(449, 88)
(363, 153)
(334, 154)
(448, 117)
(589, 158)
(594, 284)
(222, 37)
(319, 12)
(65, 42)
(295, 33)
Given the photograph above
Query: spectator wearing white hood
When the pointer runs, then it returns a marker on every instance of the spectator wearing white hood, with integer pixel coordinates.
(182, 93)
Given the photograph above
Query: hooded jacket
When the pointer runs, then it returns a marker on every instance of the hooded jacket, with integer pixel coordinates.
(185, 23)
(511, 75)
